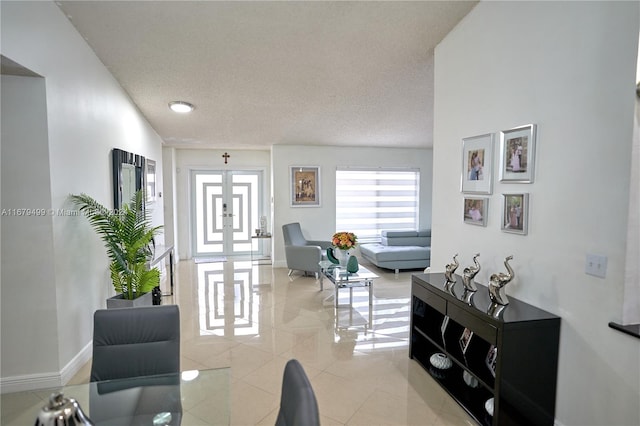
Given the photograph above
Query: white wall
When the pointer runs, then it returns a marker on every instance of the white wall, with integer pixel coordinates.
(170, 207)
(319, 223)
(27, 239)
(88, 114)
(197, 159)
(569, 67)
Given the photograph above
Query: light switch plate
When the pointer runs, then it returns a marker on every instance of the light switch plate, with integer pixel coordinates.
(596, 265)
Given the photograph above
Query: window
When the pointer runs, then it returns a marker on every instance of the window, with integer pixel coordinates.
(368, 201)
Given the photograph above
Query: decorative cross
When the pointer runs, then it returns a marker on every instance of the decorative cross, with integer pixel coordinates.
(226, 157)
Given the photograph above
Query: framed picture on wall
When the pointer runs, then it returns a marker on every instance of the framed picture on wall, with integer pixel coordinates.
(150, 180)
(517, 153)
(515, 213)
(305, 186)
(475, 211)
(477, 164)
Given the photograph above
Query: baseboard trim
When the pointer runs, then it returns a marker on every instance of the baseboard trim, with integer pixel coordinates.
(46, 380)
(78, 361)
(30, 382)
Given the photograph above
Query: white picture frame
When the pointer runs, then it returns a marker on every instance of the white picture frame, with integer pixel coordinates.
(305, 186)
(477, 164)
(465, 340)
(515, 213)
(517, 154)
(150, 181)
(492, 359)
(475, 210)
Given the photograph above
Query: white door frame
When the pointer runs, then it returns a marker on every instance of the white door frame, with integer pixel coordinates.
(239, 194)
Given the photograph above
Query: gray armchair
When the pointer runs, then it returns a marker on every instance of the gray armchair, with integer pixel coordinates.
(302, 254)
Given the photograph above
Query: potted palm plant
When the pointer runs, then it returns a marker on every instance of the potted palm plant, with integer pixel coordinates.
(128, 236)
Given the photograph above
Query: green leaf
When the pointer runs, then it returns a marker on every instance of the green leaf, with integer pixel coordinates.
(128, 235)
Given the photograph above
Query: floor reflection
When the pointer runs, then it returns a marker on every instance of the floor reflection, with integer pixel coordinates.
(227, 302)
(231, 294)
(385, 327)
(254, 318)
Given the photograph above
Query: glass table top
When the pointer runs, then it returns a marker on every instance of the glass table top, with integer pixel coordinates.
(337, 273)
(191, 397)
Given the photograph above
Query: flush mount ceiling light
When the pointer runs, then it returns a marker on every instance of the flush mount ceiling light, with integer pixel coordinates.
(181, 106)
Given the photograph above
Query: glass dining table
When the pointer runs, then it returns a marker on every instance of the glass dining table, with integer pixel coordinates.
(195, 397)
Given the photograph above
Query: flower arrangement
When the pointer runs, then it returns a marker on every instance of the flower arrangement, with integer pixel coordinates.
(344, 240)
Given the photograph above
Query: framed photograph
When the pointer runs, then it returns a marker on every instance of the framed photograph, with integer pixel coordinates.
(517, 153)
(492, 357)
(475, 211)
(477, 164)
(443, 330)
(443, 327)
(305, 186)
(150, 179)
(515, 213)
(465, 339)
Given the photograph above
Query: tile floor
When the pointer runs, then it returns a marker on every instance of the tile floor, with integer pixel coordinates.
(254, 318)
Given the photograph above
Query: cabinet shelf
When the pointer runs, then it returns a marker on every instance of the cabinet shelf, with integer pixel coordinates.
(511, 356)
(469, 362)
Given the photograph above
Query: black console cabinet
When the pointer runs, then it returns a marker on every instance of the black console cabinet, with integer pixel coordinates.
(519, 340)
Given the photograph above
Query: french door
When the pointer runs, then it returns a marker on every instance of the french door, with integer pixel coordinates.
(226, 206)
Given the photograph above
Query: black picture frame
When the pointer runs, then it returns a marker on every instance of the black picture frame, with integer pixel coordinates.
(118, 158)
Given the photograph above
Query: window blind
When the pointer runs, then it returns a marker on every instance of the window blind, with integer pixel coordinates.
(368, 201)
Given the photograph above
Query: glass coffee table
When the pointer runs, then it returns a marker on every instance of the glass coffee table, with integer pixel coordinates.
(342, 279)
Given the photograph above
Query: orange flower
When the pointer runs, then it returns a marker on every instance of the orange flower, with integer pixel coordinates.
(344, 240)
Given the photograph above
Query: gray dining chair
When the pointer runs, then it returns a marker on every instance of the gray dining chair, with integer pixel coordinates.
(298, 404)
(302, 254)
(132, 342)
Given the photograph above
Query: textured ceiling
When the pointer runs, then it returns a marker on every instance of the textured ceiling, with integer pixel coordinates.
(265, 73)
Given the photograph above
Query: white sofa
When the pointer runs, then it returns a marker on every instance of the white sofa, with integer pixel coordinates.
(400, 250)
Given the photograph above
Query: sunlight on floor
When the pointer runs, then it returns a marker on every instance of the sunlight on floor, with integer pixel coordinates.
(254, 318)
